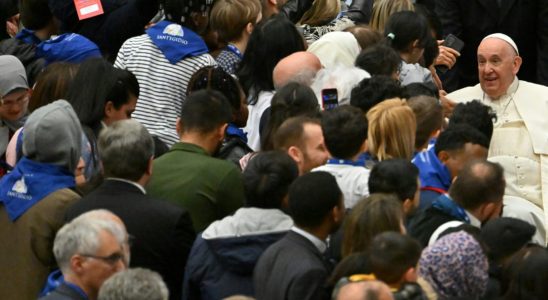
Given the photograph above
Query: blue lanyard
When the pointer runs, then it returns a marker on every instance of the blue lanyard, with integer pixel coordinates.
(337, 161)
(235, 50)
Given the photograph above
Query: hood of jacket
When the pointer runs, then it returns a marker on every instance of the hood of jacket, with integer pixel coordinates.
(239, 240)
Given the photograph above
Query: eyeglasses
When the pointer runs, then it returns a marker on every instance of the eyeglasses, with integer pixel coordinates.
(111, 259)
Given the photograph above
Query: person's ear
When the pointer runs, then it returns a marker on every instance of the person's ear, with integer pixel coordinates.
(410, 275)
(150, 164)
(443, 156)
(109, 109)
(516, 64)
(295, 153)
(221, 131)
(249, 28)
(179, 127)
(77, 264)
(415, 45)
(408, 206)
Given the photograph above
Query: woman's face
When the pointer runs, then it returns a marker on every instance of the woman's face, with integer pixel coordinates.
(123, 113)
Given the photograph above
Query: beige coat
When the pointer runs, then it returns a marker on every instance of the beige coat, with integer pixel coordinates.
(26, 245)
(520, 145)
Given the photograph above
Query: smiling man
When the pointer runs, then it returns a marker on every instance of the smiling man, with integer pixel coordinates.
(520, 139)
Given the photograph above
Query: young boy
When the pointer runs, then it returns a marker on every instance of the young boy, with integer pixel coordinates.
(234, 21)
(345, 132)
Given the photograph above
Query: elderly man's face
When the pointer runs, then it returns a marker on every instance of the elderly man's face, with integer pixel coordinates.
(108, 260)
(498, 64)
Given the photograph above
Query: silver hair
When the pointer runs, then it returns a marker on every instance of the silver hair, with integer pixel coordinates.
(81, 236)
(134, 284)
(344, 79)
(126, 147)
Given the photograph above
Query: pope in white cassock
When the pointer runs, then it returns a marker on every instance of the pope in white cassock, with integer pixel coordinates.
(520, 136)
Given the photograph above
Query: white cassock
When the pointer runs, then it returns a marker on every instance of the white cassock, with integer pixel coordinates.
(520, 145)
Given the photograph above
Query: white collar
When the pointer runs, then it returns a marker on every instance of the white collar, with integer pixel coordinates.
(321, 245)
(142, 189)
(473, 220)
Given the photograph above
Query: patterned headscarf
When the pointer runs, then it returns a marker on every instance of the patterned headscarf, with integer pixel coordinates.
(455, 266)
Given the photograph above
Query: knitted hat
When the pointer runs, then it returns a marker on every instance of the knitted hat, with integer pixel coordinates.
(12, 75)
(505, 236)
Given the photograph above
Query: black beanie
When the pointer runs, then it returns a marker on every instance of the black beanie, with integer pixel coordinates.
(505, 236)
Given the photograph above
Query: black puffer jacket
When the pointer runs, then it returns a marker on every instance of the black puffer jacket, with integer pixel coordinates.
(26, 53)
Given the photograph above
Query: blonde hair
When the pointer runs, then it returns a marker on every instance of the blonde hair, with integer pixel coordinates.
(383, 9)
(321, 12)
(391, 132)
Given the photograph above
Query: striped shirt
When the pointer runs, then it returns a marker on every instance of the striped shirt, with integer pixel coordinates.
(162, 84)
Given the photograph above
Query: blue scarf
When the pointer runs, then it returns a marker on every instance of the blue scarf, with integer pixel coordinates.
(30, 182)
(176, 42)
(69, 47)
(432, 172)
(28, 37)
(233, 130)
(447, 205)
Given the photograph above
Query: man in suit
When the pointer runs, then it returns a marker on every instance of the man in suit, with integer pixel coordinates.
(163, 232)
(519, 142)
(89, 250)
(294, 267)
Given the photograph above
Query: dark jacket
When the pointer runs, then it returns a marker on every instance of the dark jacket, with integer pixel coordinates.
(423, 225)
(525, 21)
(223, 257)
(233, 149)
(163, 232)
(26, 53)
(292, 268)
(64, 292)
(122, 20)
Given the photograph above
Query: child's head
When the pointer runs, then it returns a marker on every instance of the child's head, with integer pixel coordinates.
(217, 79)
(407, 32)
(344, 131)
(429, 116)
(234, 19)
(393, 257)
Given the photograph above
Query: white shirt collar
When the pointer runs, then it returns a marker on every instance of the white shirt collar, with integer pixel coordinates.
(142, 189)
(473, 220)
(321, 245)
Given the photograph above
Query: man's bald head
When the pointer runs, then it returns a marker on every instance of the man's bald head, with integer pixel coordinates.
(300, 67)
(498, 64)
(368, 290)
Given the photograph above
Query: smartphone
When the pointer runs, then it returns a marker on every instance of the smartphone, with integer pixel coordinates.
(330, 99)
(453, 42)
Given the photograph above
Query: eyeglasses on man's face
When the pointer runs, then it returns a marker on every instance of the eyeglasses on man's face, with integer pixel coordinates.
(111, 259)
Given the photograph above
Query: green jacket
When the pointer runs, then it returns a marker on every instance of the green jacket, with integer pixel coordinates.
(208, 188)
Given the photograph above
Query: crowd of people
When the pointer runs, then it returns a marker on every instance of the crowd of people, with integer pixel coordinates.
(261, 149)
